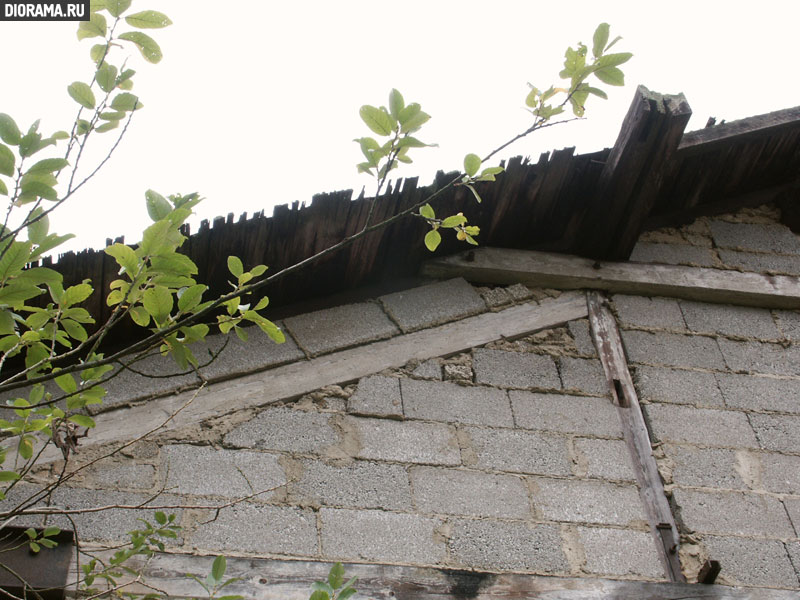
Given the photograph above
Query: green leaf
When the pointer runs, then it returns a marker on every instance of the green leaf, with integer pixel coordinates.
(346, 593)
(107, 126)
(32, 187)
(15, 257)
(174, 264)
(161, 518)
(218, 568)
(600, 39)
(154, 238)
(140, 316)
(147, 46)
(377, 119)
(83, 126)
(475, 193)
(75, 330)
(190, 297)
(117, 7)
(116, 115)
(125, 257)
(596, 92)
(7, 161)
(235, 266)
(106, 77)
(126, 101)
(15, 293)
(6, 322)
(432, 240)
(9, 132)
(9, 476)
(48, 165)
(148, 19)
(158, 302)
(75, 294)
(610, 75)
(613, 60)
(426, 210)
(82, 420)
(98, 52)
(3, 188)
(319, 595)
(38, 226)
(336, 574)
(67, 383)
(454, 221)
(413, 119)
(94, 27)
(158, 207)
(472, 162)
(82, 94)
(396, 104)
(25, 447)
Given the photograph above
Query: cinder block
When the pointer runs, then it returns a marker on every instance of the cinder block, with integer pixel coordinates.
(758, 237)
(470, 493)
(378, 396)
(643, 311)
(433, 304)
(742, 321)
(732, 513)
(780, 473)
(407, 442)
(661, 384)
(793, 509)
(340, 327)
(704, 426)
(259, 529)
(760, 263)
(704, 467)
(580, 332)
(582, 501)
(108, 525)
(757, 357)
(358, 485)
(442, 401)
(751, 562)
(606, 459)
(672, 349)
(237, 357)
(583, 374)
(566, 414)
(126, 475)
(751, 392)
(430, 369)
(672, 254)
(794, 554)
(634, 552)
(507, 546)
(376, 535)
(777, 432)
(515, 369)
(206, 471)
(283, 428)
(129, 386)
(789, 324)
(520, 451)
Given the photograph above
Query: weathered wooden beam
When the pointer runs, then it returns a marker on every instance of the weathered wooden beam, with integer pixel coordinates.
(620, 384)
(635, 170)
(542, 269)
(705, 140)
(266, 579)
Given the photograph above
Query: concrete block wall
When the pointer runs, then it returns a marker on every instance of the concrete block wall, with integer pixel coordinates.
(720, 388)
(506, 458)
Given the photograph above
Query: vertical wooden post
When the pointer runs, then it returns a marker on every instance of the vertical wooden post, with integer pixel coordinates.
(612, 355)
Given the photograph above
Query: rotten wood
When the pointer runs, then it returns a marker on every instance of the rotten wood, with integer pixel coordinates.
(651, 489)
(268, 579)
(637, 167)
(709, 571)
(542, 269)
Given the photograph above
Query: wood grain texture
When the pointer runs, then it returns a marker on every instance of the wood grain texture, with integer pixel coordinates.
(542, 269)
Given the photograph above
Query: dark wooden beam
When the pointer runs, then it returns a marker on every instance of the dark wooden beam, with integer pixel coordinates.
(705, 140)
(565, 272)
(267, 579)
(635, 170)
(620, 385)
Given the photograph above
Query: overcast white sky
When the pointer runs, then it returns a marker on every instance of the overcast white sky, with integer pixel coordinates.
(256, 102)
